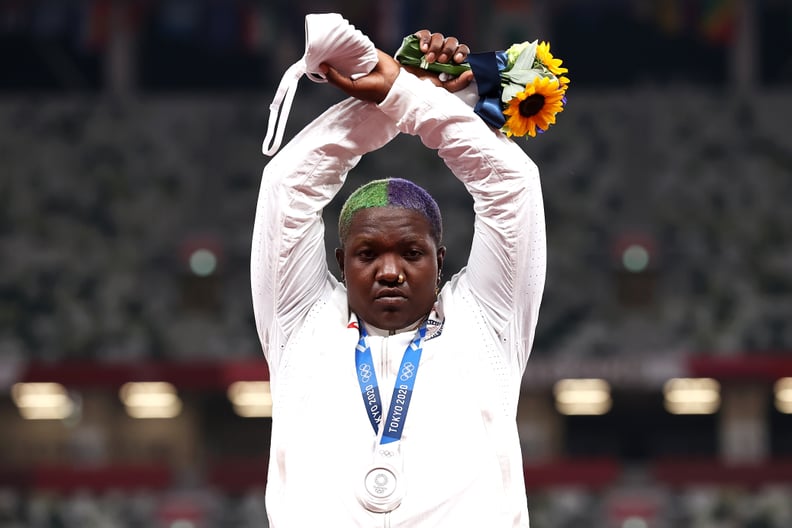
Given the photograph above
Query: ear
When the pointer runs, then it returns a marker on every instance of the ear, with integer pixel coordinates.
(339, 255)
(441, 251)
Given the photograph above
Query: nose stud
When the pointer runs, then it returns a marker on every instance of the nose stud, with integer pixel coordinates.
(400, 279)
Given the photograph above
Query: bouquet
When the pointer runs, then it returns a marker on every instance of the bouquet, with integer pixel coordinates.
(520, 90)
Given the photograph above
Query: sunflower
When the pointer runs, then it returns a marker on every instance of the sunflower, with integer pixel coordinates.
(536, 106)
(544, 56)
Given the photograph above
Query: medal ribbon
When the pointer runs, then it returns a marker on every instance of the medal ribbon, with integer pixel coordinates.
(402, 389)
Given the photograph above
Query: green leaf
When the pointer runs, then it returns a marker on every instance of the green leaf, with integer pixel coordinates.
(409, 54)
(513, 52)
(526, 59)
(522, 77)
(509, 91)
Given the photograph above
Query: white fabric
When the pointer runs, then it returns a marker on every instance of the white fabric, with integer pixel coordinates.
(331, 39)
(460, 447)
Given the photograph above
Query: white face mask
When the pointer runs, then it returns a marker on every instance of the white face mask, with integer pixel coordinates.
(331, 39)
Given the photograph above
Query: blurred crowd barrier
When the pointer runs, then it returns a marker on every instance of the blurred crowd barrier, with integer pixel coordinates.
(203, 508)
(614, 507)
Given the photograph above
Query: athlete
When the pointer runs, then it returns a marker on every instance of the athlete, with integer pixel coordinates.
(394, 395)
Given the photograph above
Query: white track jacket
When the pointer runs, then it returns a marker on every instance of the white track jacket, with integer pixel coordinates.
(460, 450)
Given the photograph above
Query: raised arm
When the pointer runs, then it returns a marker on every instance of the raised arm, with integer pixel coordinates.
(288, 262)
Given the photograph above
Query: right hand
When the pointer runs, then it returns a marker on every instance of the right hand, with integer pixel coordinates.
(372, 87)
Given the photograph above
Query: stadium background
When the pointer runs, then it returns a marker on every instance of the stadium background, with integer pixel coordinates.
(130, 154)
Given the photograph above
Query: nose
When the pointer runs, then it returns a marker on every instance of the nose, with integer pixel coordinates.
(388, 270)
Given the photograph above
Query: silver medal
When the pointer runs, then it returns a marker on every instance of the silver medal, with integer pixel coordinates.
(382, 489)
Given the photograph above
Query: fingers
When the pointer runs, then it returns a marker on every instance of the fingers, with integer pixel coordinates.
(424, 36)
(458, 83)
(335, 78)
(372, 87)
(438, 48)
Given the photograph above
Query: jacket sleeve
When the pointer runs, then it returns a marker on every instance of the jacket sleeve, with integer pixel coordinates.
(507, 263)
(288, 260)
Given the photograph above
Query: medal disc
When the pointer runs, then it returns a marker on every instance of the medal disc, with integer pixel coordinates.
(382, 490)
(380, 483)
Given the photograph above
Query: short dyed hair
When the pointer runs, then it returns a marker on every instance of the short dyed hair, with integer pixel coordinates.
(391, 192)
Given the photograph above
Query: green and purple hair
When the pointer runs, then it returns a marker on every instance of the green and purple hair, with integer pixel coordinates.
(391, 192)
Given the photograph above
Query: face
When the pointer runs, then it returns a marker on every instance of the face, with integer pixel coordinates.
(382, 243)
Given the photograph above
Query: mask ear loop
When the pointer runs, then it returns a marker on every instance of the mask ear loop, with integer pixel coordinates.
(281, 106)
(284, 96)
(282, 103)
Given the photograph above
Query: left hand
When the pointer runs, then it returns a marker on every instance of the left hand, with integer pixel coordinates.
(439, 48)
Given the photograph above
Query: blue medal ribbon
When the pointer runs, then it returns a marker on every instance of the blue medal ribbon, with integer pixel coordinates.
(402, 390)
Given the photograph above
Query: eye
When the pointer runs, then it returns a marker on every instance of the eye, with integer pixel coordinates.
(365, 254)
(413, 254)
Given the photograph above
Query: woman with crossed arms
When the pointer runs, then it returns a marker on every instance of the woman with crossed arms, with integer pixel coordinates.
(394, 401)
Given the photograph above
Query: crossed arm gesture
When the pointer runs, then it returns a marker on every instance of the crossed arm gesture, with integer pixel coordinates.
(375, 86)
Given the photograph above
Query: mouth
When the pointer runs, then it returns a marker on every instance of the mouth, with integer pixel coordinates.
(390, 295)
